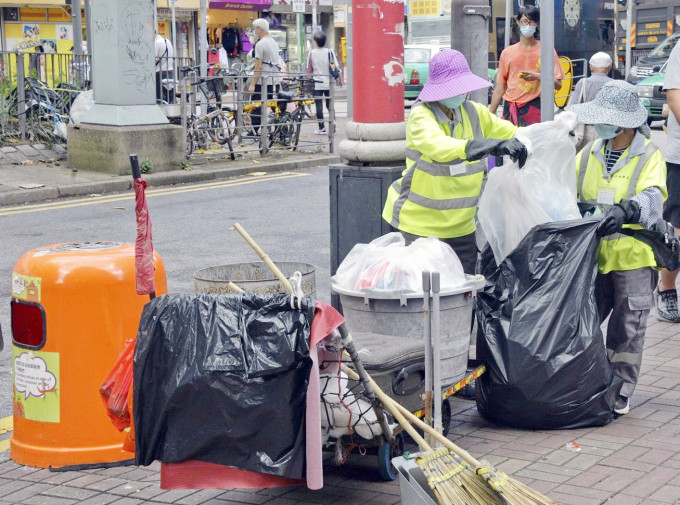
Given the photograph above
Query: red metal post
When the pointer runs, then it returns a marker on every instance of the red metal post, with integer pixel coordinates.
(378, 79)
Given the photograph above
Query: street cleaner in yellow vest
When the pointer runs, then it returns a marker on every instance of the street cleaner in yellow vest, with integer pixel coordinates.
(447, 137)
(623, 173)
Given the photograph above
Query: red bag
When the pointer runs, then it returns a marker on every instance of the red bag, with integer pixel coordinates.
(116, 388)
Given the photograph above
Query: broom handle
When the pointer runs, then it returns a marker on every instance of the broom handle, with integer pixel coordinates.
(265, 258)
(234, 287)
(386, 401)
(393, 405)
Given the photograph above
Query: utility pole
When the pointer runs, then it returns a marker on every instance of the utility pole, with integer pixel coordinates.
(203, 42)
(470, 36)
(508, 23)
(77, 29)
(172, 31)
(629, 30)
(547, 61)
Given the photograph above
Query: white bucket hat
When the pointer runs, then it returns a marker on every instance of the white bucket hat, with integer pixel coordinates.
(617, 103)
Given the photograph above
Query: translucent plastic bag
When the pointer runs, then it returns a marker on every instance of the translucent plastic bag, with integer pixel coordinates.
(388, 263)
(544, 190)
(83, 103)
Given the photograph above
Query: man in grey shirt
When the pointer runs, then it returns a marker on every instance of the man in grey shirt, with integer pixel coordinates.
(586, 89)
(667, 296)
(266, 71)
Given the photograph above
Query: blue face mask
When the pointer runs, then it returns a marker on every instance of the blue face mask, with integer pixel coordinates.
(527, 31)
(606, 132)
(453, 103)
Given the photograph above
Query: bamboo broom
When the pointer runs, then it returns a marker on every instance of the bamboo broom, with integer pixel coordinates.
(512, 491)
(451, 479)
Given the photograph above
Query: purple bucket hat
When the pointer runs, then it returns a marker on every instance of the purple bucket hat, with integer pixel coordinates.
(450, 76)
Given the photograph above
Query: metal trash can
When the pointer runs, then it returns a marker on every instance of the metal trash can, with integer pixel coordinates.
(397, 313)
(253, 277)
(73, 307)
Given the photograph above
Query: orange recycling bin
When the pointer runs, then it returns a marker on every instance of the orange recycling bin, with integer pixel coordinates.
(73, 307)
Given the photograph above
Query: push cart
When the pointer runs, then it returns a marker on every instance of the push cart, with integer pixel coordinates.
(352, 420)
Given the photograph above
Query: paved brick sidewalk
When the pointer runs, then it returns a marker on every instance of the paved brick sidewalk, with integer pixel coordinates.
(634, 460)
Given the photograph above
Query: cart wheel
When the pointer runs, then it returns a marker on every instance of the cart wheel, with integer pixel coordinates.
(446, 416)
(385, 454)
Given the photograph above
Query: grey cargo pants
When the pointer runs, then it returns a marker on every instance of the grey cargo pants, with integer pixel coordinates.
(627, 298)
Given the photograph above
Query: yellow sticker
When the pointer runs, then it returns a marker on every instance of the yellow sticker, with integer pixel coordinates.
(25, 287)
(36, 385)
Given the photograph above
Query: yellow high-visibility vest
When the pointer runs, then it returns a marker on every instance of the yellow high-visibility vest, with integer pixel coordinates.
(641, 166)
(438, 193)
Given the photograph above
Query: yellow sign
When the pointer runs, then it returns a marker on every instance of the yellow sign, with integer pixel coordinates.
(26, 288)
(649, 26)
(562, 94)
(425, 8)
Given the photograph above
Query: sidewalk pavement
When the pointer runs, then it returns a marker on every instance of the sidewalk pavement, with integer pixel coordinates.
(633, 460)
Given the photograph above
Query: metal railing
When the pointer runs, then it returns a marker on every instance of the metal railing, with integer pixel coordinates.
(36, 93)
(219, 112)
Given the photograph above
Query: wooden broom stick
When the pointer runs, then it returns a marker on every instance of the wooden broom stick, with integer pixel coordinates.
(272, 266)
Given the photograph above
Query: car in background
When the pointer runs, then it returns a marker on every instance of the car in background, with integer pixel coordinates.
(652, 96)
(416, 67)
(654, 61)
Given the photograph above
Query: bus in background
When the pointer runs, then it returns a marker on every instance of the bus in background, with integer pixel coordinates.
(653, 35)
(428, 22)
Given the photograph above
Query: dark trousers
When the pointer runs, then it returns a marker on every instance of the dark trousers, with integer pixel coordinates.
(256, 115)
(163, 94)
(465, 248)
(319, 105)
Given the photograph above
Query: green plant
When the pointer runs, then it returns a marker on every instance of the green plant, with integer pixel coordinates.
(185, 163)
(146, 166)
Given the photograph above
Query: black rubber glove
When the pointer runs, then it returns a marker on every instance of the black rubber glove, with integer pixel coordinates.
(477, 149)
(626, 211)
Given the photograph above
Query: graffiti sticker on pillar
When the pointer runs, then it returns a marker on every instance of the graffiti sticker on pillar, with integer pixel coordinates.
(36, 377)
(25, 287)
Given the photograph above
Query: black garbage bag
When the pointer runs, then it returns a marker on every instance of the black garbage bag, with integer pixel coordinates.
(539, 334)
(223, 379)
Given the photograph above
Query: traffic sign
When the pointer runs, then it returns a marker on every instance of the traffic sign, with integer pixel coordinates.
(299, 6)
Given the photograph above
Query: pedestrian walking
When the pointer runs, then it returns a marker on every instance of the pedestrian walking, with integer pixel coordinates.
(447, 137)
(266, 67)
(600, 65)
(623, 173)
(164, 68)
(319, 61)
(518, 80)
(667, 295)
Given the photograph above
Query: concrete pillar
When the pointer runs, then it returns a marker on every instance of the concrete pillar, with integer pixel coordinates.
(125, 118)
(470, 36)
(124, 64)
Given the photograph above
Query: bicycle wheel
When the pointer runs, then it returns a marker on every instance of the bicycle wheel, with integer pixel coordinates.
(219, 129)
(285, 129)
(190, 142)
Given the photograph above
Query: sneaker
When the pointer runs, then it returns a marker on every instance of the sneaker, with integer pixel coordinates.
(667, 306)
(320, 132)
(622, 406)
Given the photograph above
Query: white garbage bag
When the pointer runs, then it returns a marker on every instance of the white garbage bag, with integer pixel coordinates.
(83, 103)
(544, 190)
(387, 263)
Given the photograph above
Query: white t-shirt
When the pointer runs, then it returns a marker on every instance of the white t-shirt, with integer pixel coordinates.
(672, 81)
(164, 54)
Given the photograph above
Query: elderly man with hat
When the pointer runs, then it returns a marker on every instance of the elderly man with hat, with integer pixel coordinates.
(447, 138)
(624, 174)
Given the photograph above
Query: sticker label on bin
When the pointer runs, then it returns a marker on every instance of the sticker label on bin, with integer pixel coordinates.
(26, 288)
(36, 381)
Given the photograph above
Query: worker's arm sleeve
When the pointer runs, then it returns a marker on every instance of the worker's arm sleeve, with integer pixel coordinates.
(424, 134)
(494, 127)
(651, 206)
(651, 190)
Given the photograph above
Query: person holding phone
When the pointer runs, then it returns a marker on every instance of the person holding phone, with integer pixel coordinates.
(518, 81)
